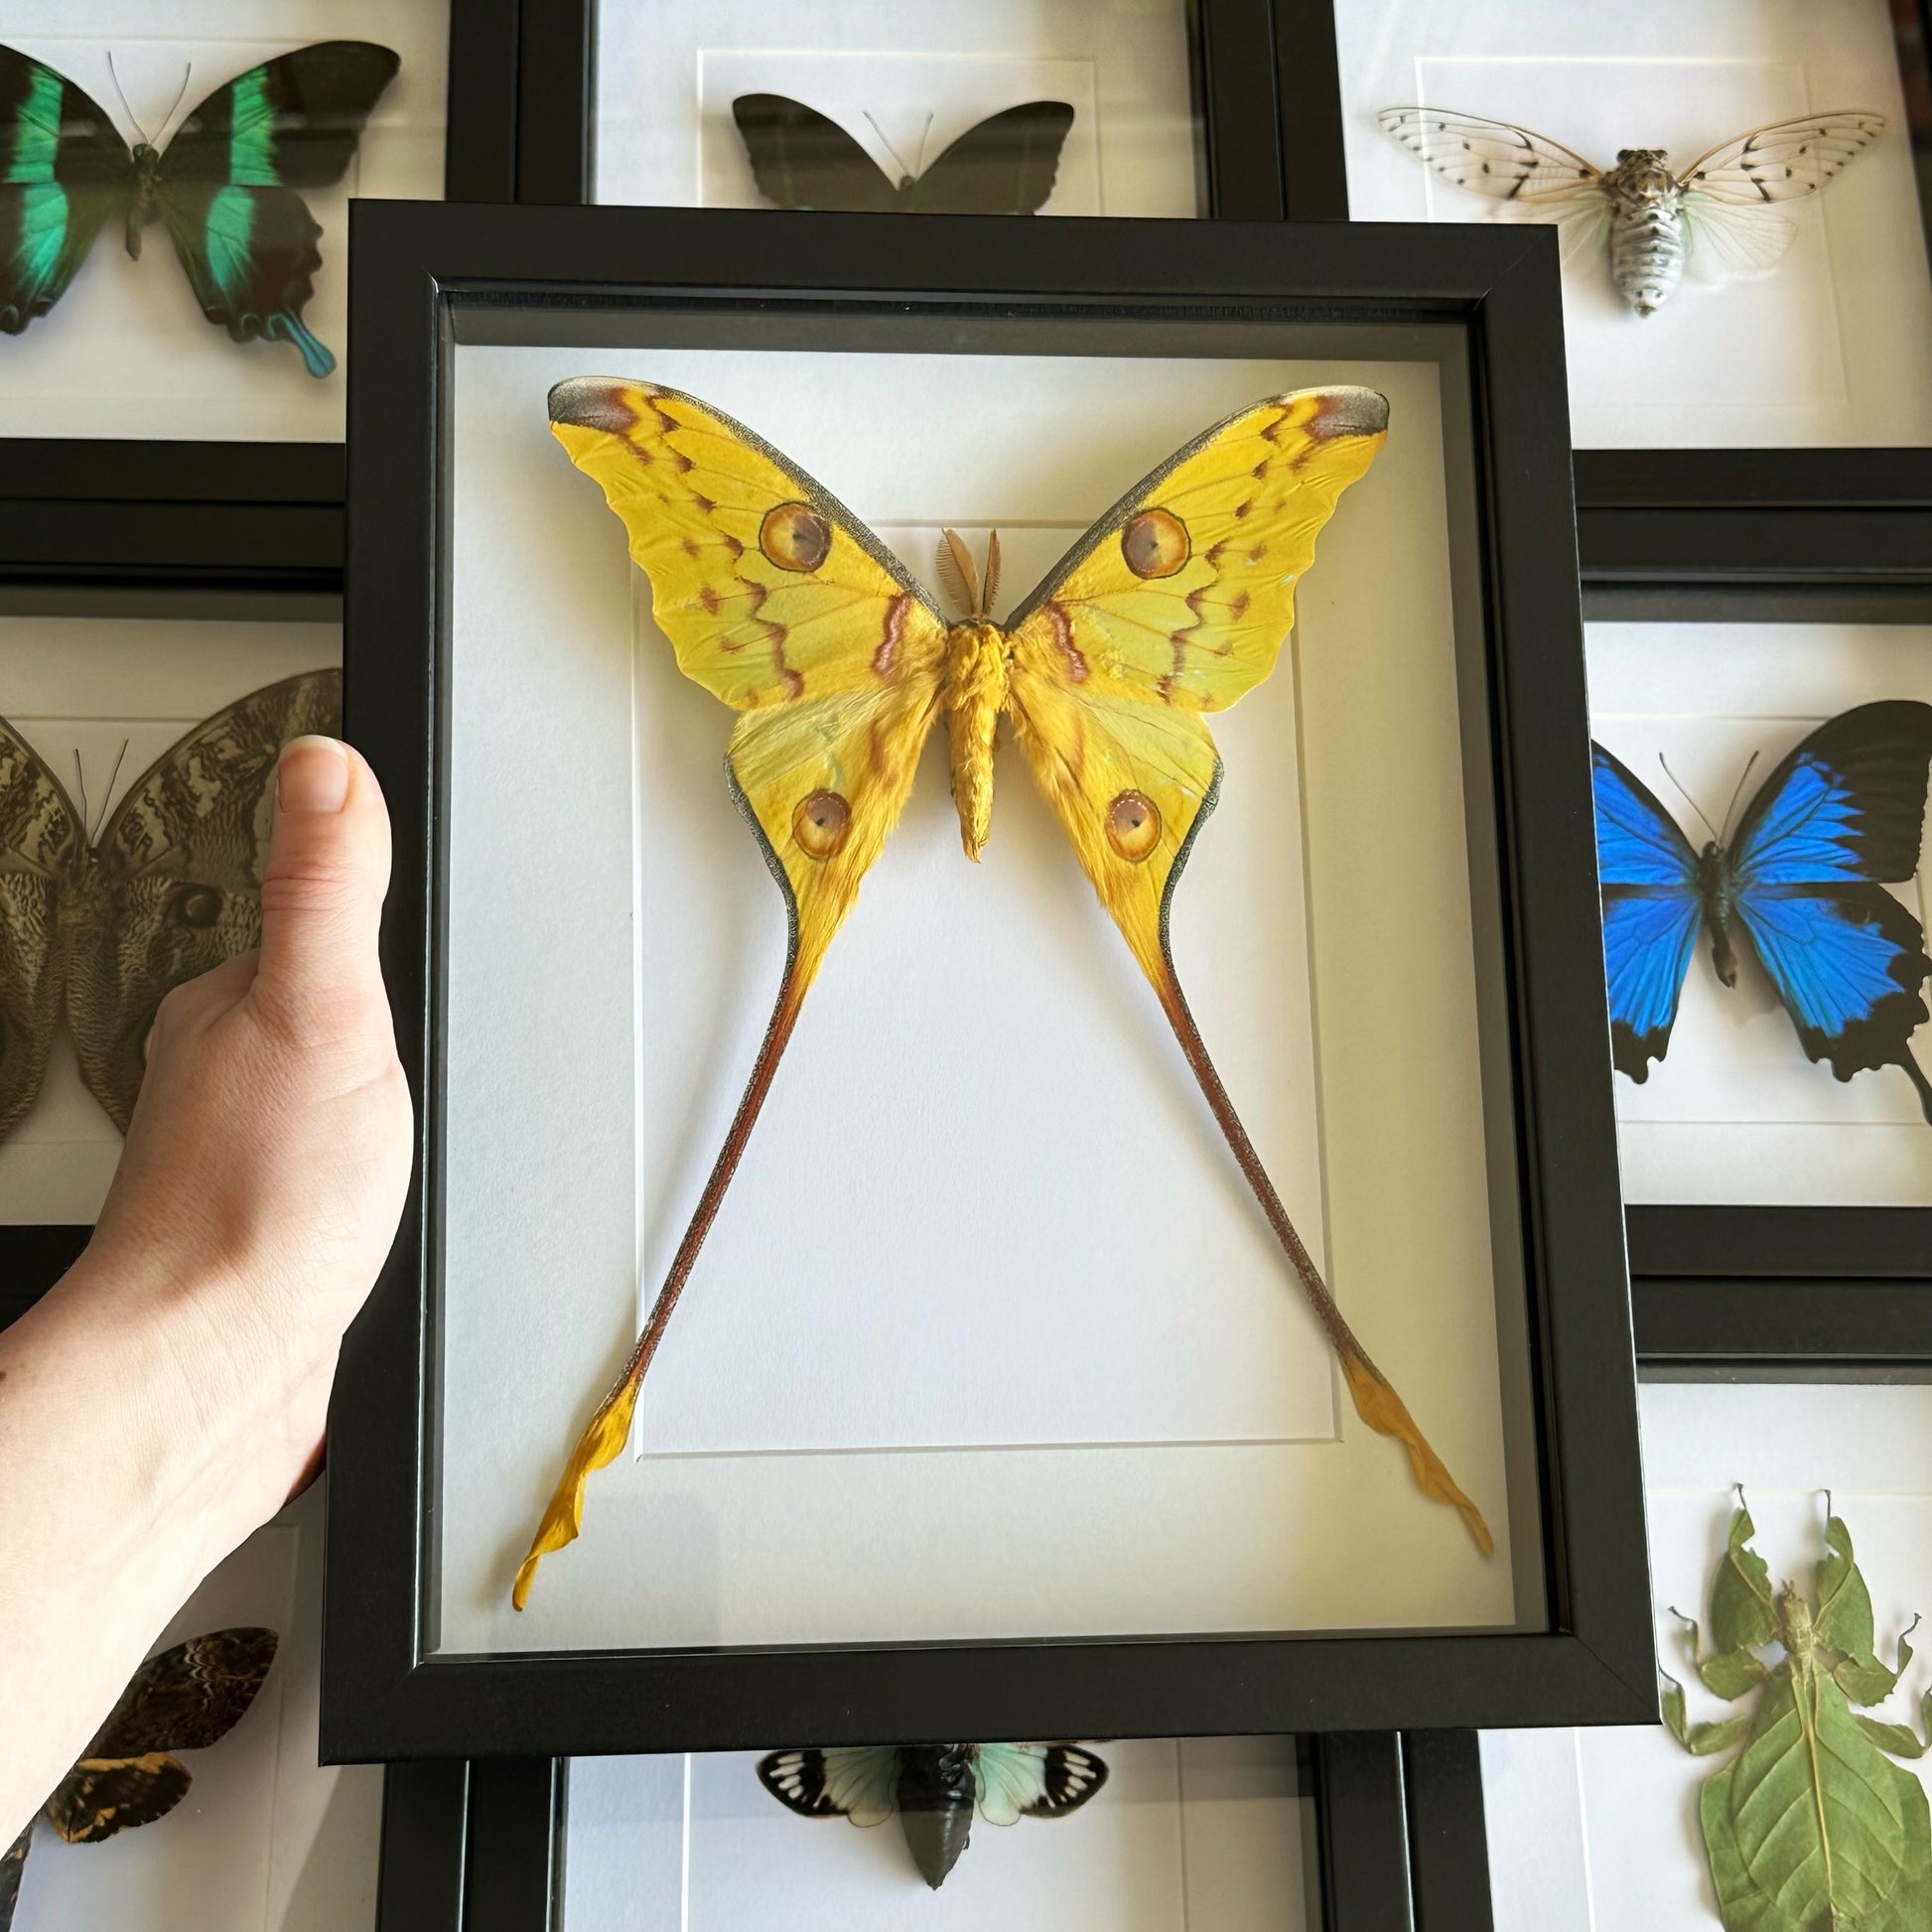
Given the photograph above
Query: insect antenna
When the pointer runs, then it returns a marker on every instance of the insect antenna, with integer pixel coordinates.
(1736, 795)
(957, 577)
(906, 172)
(81, 785)
(1689, 800)
(129, 112)
(991, 586)
(119, 760)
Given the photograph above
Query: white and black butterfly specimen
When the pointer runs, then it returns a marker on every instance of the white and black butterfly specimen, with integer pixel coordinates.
(935, 1789)
(1716, 215)
(799, 158)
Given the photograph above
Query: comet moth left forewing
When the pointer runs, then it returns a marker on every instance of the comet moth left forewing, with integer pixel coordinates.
(781, 602)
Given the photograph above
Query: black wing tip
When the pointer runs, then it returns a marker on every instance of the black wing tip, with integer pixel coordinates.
(1631, 1052)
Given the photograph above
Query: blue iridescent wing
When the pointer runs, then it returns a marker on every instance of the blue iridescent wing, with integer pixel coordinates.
(1833, 825)
(1651, 911)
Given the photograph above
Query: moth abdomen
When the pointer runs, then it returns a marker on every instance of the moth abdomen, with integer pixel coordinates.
(936, 1794)
(1648, 250)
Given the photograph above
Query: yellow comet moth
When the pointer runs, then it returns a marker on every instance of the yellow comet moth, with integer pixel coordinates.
(776, 599)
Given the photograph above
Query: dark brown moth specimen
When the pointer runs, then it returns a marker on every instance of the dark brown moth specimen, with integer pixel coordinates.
(183, 1700)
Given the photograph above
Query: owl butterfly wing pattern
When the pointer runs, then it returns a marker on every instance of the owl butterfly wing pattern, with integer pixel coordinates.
(1838, 820)
(43, 853)
(1174, 603)
(230, 176)
(1007, 164)
(180, 876)
(1652, 909)
(1535, 178)
(1729, 191)
(184, 1698)
(778, 601)
(64, 171)
(802, 159)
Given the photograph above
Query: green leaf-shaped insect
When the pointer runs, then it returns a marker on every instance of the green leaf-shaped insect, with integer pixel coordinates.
(1810, 1826)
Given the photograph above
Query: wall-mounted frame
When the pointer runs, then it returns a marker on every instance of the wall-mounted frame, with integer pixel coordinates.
(1779, 1221)
(1175, 102)
(1397, 1846)
(144, 447)
(1686, 419)
(464, 320)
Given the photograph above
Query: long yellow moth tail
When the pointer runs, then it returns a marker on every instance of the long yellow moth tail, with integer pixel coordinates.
(608, 1429)
(1376, 1401)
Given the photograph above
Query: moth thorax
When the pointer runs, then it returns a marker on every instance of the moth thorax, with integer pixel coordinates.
(974, 694)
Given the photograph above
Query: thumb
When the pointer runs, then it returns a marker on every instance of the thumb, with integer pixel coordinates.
(327, 873)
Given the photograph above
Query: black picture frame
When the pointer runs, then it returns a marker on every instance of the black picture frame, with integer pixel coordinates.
(144, 514)
(1399, 1842)
(424, 273)
(1238, 48)
(1694, 513)
(1798, 1291)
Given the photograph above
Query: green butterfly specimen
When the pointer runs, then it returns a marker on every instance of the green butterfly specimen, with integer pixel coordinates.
(183, 1700)
(226, 187)
(1810, 1826)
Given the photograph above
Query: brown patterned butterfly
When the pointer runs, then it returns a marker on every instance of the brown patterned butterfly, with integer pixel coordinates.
(183, 1700)
(170, 888)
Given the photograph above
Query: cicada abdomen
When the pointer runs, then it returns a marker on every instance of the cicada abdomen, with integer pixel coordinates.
(1648, 243)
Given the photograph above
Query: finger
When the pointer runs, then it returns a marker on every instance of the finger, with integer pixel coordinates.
(326, 872)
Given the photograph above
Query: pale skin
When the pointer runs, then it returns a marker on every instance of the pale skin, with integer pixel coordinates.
(170, 1394)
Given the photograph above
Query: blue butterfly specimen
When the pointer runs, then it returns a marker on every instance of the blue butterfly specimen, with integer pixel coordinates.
(934, 1788)
(225, 186)
(1802, 885)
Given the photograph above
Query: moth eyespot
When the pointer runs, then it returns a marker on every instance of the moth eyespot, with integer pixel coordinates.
(1133, 826)
(821, 823)
(795, 537)
(198, 906)
(1155, 543)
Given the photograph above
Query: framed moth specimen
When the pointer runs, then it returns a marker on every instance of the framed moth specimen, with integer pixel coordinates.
(956, 1386)
(1207, 1833)
(1164, 109)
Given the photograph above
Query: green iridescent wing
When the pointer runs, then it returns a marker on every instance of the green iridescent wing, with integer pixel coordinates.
(64, 171)
(230, 176)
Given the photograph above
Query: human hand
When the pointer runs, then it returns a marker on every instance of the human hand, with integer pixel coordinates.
(269, 1153)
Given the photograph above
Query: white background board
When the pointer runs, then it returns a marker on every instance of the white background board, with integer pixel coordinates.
(1831, 347)
(126, 350)
(88, 686)
(1735, 1112)
(974, 1036)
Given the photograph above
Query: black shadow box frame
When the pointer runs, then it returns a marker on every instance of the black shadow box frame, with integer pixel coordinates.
(427, 277)
(1236, 47)
(1399, 1840)
(1780, 1292)
(1671, 515)
(140, 513)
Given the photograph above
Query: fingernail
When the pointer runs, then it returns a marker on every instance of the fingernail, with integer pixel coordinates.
(312, 776)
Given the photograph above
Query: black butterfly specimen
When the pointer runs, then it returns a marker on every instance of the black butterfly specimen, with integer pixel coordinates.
(1006, 164)
(170, 888)
(183, 1700)
(935, 1789)
(225, 186)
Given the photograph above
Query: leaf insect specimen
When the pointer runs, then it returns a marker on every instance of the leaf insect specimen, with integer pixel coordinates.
(224, 187)
(935, 1788)
(183, 1700)
(1801, 882)
(1716, 215)
(800, 159)
(1810, 1826)
(103, 927)
(780, 602)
